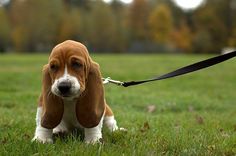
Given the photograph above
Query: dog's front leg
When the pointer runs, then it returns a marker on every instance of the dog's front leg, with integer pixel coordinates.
(93, 135)
(42, 134)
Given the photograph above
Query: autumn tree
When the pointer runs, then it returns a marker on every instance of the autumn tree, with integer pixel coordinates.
(77, 3)
(160, 24)
(99, 27)
(223, 9)
(138, 19)
(4, 30)
(119, 11)
(182, 38)
(232, 39)
(35, 23)
(232, 36)
(70, 25)
(207, 21)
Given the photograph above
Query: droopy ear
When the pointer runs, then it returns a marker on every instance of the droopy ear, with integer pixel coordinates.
(90, 106)
(52, 105)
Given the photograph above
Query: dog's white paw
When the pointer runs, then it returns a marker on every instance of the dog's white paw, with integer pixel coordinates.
(60, 131)
(113, 127)
(111, 124)
(93, 141)
(43, 135)
(122, 129)
(42, 139)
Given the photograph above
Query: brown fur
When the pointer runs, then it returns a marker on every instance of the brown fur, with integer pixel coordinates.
(108, 111)
(90, 105)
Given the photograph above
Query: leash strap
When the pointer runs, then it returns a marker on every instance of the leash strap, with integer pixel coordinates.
(184, 70)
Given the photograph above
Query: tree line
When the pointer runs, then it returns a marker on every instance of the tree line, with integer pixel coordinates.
(142, 26)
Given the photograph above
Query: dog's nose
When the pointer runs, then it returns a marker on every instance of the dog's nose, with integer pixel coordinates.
(64, 87)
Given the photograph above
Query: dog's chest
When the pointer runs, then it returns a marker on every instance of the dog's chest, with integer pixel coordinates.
(69, 117)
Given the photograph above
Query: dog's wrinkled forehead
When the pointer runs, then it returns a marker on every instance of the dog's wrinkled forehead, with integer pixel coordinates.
(67, 49)
(69, 57)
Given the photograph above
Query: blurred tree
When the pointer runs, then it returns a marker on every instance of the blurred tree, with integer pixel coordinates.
(138, 19)
(176, 11)
(223, 11)
(20, 38)
(120, 11)
(232, 39)
(160, 24)
(99, 28)
(144, 25)
(70, 25)
(182, 38)
(39, 20)
(233, 14)
(226, 12)
(202, 42)
(77, 3)
(206, 20)
(117, 5)
(4, 30)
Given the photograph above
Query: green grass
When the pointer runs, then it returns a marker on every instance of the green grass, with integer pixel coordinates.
(195, 114)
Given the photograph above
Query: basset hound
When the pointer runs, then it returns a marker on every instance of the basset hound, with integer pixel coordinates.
(72, 95)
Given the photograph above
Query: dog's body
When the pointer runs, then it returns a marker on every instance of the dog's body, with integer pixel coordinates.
(72, 95)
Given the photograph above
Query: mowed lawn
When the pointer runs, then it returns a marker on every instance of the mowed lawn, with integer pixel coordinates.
(193, 114)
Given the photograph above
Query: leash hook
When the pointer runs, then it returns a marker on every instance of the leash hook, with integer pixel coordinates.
(109, 80)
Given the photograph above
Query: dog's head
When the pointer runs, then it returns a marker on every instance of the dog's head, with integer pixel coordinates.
(69, 65)
(72, 75)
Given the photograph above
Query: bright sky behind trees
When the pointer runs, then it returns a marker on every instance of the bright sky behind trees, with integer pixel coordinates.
(184, 4)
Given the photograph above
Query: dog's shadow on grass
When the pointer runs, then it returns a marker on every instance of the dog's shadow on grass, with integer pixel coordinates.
(76, 134)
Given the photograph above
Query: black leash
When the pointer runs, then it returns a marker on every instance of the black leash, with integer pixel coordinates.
(184, 70)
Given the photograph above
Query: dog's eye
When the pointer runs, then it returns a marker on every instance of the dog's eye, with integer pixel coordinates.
(53, 67)
(76, 65)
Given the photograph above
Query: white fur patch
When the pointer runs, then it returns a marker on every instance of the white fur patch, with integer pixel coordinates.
(42, 134)
(110, 122)
(92, 135)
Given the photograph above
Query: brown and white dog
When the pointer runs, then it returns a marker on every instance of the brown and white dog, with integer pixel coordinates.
(72, 95)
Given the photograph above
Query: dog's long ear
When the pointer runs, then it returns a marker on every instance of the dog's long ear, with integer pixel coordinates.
(90, 106)
(52, 105)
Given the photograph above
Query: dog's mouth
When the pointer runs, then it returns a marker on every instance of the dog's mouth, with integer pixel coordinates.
(66, 96)
(69, 95)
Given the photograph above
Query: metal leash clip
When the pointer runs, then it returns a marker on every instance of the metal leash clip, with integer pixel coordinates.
(109, 80)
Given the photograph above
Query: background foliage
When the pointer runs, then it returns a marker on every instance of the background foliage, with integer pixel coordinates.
(143, 25)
